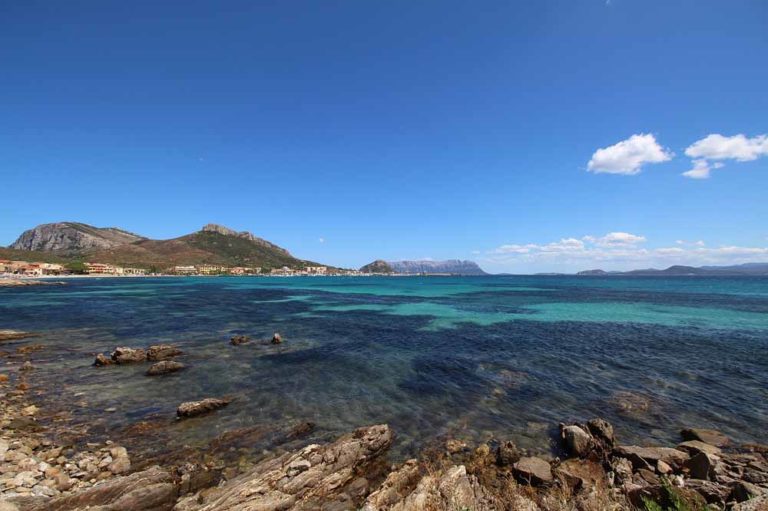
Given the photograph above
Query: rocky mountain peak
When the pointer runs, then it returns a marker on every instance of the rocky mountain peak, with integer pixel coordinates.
(72, 237)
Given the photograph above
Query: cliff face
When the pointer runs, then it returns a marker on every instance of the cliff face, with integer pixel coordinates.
(72, 237)
(453, 267)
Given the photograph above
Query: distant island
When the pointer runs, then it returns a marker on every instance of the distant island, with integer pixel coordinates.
(424, 267)
(751, 269)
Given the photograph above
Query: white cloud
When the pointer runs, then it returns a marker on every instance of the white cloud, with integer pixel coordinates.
(616, 250)
(710, 150)
(628, 156)
(321, 240)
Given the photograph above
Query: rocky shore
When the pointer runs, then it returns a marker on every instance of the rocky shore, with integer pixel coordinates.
(27, 282)
(588, 469)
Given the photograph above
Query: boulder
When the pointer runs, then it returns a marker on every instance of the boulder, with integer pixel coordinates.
(124, 355)
(702, 466)
(165, 367)
(507, 454)
(708, 436)
(276, 339)
(581, 474)
(602, 430)
(195, 408)
(333, 476)
(153, 489)
(162, 352)
(647, 457)
(693, 447)
(102, 360)
(743, 490)
(577, 442)
(237, 340)
(534, 471)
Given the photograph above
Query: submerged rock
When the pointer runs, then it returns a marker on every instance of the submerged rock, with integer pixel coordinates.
(165, 367)
(162, 352)
(128, 355)
(237, 340)
(102, 360)
(195, 408)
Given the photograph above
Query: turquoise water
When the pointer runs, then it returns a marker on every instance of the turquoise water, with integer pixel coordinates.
(474, 357)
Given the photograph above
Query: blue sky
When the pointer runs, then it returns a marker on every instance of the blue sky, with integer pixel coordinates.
(348, 130)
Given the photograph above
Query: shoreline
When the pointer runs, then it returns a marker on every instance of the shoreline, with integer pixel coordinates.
(588, 467)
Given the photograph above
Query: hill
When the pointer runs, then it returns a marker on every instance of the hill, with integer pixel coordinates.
(749, 269)
(378, 266)
(449, 267)
(214, 244)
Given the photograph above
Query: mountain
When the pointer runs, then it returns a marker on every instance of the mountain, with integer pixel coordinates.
(378, 266)
(451, 267)
(750, 269)
(69, 237)
(213, 244)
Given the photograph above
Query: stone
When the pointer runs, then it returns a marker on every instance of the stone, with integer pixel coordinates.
(743, 490)
(712, 492)
(237, 340)
(165, 367)
(507, 454)
(128, 355)
(102, 360)
(757, 504)
(602, 430)
(533, 470)
(454, 446)
(708, 436)
(162, 352)
(120, 466)
(26, 366)
(693, 447)
(580, 474)
(663, 468)
(702, 466)
(195, 408)
(4, 378)
(577, 442)
(315, 477)
(64, 482)
(647, 457)
(276, 339)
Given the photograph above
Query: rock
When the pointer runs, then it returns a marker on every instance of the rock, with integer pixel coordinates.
(534, 471)
(581, 474)
(712, 492)
(63, 482)
(120, 466)
(708, 436)
(647, 457)
(743, 490)
(631, 403)
(237, 340)
(603, 431)
(13, 335)
(316, 477)
(26, 366)
(454, 446)
(666, 496)
(276, 339)
(757, 504)
(4, 378)
(165, 367)
(162, 352)
(29, 411)
(102, 360)
(577, 442)
(150, 490)
(118, 452)
(397, 486)
(693, 447)
(507, 454)
(663, 468)
(702, 466)
(195, 408)
(128, 355)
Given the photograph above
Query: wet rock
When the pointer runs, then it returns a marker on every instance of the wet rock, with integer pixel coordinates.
(237, 340)
(507, 454)
(534, 471)
(26, 366)
(276, 339)
(708, 436)
(153, 489)
(195, 408)
(13, 335)
(316, 477)
(162, 352)
(128, 355)
(165, 367)
(602, 430)
(577, 442)
(103, 360)
(693, 447)
(647, 457)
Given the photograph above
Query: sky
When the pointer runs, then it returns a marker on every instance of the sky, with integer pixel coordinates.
(553, 135)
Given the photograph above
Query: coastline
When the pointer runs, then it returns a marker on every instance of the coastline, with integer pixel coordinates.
(47, 464)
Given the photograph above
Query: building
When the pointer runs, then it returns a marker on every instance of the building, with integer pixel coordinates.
(134, 271)
(102, 269)
(52, 268)
(210, 269)
(317, 270)
(183, 270)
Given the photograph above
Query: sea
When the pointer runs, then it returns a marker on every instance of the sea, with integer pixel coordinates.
(475, 358)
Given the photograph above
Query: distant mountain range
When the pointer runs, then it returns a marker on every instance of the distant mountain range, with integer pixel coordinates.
(449, 267)
(213, 244)
(755, 269)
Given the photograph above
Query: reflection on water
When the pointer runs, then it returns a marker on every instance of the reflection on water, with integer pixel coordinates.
(476, 357)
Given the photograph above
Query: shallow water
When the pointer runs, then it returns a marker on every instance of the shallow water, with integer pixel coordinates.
(476, 357)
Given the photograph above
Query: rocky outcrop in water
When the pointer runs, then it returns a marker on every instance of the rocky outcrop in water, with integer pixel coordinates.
(165, 367)
(14, 335)
(196, 408)
(162, 352)
(72, 237)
